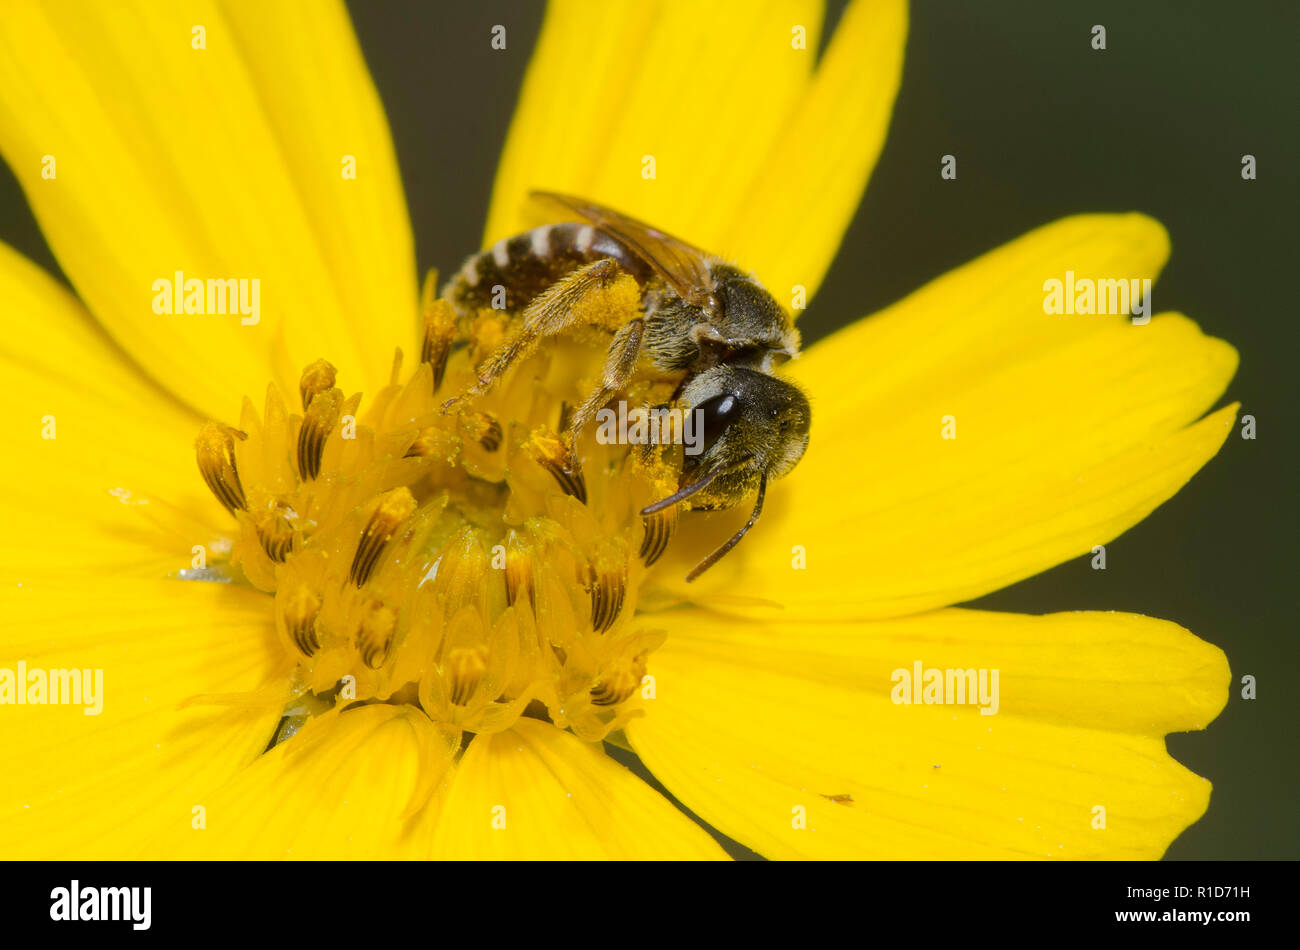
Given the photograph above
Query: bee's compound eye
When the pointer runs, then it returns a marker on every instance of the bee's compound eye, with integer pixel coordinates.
(715, 414)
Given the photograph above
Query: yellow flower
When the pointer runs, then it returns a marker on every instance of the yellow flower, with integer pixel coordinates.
(148, 146)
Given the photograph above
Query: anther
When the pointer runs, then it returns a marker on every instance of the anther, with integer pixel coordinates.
(316, 378)
(483, 429)
(375, 638)
(465, 666)
(659, 530)
(551, 454)
(618, 681)
(433, 442)
(387, 520)
(215, 448)
(275, 531)
(439, 329)
(519, 571)
(608, 587)
(301, 609)
(321, 416)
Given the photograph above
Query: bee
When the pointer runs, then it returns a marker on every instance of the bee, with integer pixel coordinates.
(700, 317)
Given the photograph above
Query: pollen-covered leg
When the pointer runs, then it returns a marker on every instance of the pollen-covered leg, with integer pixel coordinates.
(620, 363)
(562, 306)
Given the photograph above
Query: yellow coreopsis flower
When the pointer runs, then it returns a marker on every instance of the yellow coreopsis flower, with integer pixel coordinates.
(368, 680)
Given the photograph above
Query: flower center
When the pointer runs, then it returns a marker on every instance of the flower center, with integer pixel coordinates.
(456, 558)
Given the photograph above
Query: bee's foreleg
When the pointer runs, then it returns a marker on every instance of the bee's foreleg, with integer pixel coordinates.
(551, 312)
(620, 363)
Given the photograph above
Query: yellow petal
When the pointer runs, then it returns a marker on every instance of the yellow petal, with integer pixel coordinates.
(99, 786)
(338, 789)
(702, 89)
(535, 792)
(794, 213)
(222, 162)
(759, 728)
(1068, 431)
(323, 105)
(100, 472)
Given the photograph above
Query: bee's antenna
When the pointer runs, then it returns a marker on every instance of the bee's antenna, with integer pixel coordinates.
(721, 552)
(683, 493)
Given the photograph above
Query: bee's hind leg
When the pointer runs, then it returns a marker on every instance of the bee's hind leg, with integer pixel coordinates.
(620, 363)
(551, 312)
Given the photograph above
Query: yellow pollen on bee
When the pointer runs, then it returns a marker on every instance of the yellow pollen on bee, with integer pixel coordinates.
(488, 333)
(609, 307)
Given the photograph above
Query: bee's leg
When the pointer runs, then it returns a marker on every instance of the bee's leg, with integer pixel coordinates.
(551, 312)
(620, 363)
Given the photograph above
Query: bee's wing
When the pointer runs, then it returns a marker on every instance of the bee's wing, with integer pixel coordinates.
(684, 267)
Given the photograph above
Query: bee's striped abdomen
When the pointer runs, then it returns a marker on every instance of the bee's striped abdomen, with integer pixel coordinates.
(528, 263)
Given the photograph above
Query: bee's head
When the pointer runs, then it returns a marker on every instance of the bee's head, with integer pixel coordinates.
(744, 426)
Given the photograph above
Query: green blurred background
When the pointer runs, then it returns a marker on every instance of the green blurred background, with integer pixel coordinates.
(1042, 126)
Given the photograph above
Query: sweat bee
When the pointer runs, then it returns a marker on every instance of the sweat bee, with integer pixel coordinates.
(700, 316)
